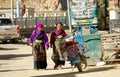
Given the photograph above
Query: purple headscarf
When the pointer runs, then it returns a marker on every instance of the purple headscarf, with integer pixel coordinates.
(39, 25)
(36, 33)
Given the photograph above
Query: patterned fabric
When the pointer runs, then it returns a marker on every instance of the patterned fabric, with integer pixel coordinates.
(39, 52)
(35, 34)
(72, 51)
(56, 33)
(58, 46)
(39, 41)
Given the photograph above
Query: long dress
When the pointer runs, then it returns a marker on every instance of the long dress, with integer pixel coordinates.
(39, 40)
(58, 47)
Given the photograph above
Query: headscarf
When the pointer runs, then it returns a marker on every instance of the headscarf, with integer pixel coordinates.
(39, 25)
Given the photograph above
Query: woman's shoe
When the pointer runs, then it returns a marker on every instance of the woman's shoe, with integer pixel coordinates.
(59, 67)
(56, 66)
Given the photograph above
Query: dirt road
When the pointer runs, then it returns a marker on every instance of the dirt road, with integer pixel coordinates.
(16, 61)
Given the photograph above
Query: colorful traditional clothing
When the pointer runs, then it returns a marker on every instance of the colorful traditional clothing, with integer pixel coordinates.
(39, 41)
(58, 46)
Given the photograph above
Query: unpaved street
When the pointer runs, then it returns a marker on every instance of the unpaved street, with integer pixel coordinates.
(16, 61)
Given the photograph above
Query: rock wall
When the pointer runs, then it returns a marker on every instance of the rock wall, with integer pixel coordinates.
(39, 5)
(47, 5)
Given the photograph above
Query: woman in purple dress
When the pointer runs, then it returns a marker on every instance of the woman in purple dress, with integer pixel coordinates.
(39, 42)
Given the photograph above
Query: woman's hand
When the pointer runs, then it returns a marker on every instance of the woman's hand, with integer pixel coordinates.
(47, 48)
(50, 46)
(31, 44)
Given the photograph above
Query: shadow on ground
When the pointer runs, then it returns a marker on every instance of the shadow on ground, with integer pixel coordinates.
(12, 56)
(14, 70)
(90, 70)
(72, 74)
(60, 75)
(1, 48)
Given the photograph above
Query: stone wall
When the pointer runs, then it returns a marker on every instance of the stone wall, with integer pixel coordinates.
(40, 5)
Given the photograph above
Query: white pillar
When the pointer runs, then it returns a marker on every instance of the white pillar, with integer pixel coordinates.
(12, 9)
(68, 6)
(113, 14)
(18, 8)
(32, 3)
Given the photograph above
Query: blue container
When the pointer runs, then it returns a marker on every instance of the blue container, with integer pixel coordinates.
(91, 28)
(90, 43)
(93, 45)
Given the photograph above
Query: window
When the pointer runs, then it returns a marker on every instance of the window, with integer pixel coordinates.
(5, 22)
(83, 3)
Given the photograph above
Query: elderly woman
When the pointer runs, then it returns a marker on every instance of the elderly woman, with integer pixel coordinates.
(39, 42)
(57, 45)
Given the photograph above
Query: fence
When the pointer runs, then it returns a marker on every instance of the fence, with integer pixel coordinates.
(115, 26)
(47, 21)
(28, 24)
(110, 44)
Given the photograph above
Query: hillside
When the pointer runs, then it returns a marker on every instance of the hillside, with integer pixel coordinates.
(39, 5)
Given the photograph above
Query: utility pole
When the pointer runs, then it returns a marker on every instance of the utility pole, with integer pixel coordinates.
(18, 8)
(68, 8)
(12, 9)
(32, 3)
